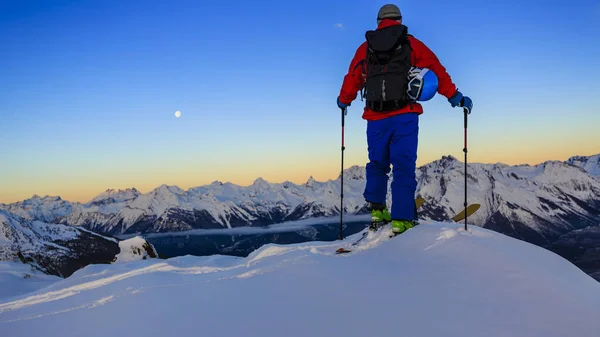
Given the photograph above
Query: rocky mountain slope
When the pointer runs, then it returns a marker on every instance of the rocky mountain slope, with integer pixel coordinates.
(534, 203)
(60, 249)
(590, 164)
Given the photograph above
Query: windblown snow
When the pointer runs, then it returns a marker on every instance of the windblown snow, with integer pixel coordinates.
(434, 280)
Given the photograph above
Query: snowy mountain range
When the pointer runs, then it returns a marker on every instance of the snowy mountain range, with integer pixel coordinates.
(536, 203)
(543, 204)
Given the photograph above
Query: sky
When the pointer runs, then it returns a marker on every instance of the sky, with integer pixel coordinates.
(89, 89)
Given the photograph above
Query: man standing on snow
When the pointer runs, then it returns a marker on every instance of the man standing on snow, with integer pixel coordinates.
(392, 114)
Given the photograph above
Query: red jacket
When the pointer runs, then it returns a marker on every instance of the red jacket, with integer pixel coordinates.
(421, 56)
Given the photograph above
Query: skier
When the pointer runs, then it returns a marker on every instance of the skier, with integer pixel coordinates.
(392, 111)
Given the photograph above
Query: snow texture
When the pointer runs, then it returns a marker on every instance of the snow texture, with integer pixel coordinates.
(17, 279)
(434, 280)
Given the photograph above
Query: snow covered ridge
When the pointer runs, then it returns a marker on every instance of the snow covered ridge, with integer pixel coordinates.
(590, 164)
(435, 280)
(60, 249)
(37, 208)
(535, 203)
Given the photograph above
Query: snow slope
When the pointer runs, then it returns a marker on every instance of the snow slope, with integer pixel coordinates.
(434, 280)
(17, 278)
(590, 164)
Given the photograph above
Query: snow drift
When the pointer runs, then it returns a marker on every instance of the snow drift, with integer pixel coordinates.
(433, 280)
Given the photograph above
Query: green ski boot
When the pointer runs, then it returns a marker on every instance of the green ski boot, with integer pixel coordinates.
(401, 226)
(379, 216)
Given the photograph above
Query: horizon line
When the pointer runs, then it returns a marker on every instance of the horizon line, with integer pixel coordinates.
(288, 181)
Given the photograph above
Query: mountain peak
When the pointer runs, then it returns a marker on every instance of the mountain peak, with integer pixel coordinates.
(113, 191)
(168, 189)
(260, 181)
(287, 184)
(115, 196)
(441, 164)
(354, 172)
(46, 198)
(590, 164)
(449, 159)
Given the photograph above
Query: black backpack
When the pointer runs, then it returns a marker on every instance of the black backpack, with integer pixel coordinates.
(386, 67)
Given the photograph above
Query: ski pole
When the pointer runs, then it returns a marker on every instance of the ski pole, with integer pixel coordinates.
(342, 178)
(466, 111)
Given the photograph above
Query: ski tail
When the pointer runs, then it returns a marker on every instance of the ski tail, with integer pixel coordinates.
(472, 208)
(419, 202)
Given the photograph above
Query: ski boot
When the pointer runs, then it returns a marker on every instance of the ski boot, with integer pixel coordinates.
(379, 216)
(401, 226)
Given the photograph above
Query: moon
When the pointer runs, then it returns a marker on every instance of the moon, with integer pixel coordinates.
(177, 114)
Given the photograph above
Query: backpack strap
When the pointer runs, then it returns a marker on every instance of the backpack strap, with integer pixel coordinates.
(362, 65)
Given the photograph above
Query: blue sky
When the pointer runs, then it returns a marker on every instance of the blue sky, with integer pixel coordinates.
(89, 88)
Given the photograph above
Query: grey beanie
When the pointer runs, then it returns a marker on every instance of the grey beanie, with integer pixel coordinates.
(389, 11)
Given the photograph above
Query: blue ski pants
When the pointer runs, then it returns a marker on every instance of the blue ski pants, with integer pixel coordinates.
(393, 141)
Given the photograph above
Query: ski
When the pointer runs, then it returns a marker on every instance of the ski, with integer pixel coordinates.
(471, 209)
(418, 203)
